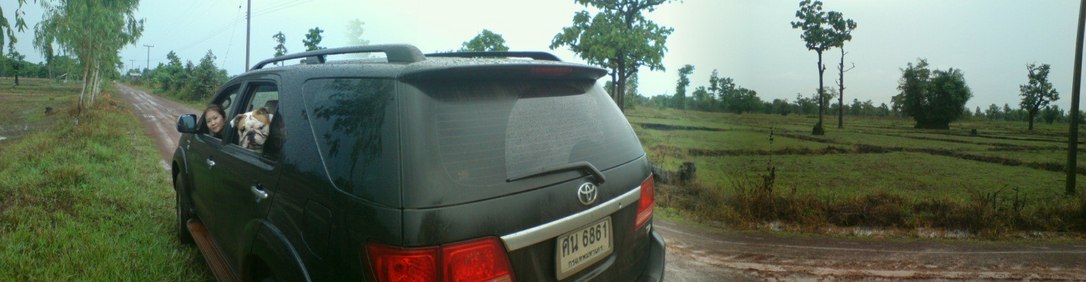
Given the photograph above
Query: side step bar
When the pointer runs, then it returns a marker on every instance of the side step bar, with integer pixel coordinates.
(212, 255)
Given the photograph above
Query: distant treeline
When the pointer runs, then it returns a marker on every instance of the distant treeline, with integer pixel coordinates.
(724, 95)
(57, 66)
(190, 82)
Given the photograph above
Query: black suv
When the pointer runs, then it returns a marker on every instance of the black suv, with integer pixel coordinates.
(510, 166)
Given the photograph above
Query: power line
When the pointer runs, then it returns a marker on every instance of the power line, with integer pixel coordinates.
(219, 30)
(272, 10)
(279, 6)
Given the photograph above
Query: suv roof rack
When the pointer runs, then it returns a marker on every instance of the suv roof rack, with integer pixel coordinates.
(396, 53)
(543, 56)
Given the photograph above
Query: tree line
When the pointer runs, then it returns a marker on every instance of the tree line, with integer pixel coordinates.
(188, 81)
(15, 65)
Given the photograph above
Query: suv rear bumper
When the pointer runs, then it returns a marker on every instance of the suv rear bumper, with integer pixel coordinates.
(654, 271)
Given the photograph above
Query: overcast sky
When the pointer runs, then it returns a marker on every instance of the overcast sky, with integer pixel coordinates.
(751, 41)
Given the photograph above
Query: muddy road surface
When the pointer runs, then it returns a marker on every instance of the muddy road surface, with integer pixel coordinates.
(701, 254)
(159, 116)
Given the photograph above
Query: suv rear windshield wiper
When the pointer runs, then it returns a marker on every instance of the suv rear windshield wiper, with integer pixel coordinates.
(581, 165)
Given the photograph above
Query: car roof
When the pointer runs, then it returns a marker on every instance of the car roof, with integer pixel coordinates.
(404, 60)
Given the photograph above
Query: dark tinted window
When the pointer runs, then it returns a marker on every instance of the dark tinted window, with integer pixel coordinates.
(354, 123)
(487, 132)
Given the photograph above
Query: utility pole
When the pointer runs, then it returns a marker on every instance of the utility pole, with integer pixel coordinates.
(1076, 85)
(131, 63)
(148, 66)
(248, 24)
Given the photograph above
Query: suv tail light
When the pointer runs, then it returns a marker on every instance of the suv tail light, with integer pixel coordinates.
(478, 260)
(647, 202)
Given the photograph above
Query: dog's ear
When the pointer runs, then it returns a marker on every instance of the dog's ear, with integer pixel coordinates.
(237, 120)
(262, 115)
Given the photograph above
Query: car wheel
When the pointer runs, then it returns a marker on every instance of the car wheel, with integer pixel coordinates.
(184, 211)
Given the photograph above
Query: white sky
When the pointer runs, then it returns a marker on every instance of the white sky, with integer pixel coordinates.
(751, 41)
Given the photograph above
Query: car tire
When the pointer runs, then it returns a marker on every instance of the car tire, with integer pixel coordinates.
(184, 211)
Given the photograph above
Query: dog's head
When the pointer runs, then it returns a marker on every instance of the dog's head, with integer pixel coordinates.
(252, 128)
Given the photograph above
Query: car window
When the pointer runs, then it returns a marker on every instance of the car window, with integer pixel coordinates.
(254, 122)
(489, 131)
(223, 102)
(355, 130)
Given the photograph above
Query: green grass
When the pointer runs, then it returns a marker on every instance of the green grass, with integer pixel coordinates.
(877, 171)
(88, 201)
(23, 107)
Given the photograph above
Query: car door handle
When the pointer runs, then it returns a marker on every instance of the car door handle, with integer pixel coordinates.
(210, 162)
(258, 192)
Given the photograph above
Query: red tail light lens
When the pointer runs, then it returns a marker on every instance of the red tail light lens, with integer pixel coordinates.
(478, 260)
(647, 202)
(403, 265)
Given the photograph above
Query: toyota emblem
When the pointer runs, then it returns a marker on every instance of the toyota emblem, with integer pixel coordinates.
(587, 193)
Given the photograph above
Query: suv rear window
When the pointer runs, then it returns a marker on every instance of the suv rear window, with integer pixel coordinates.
(488, 131)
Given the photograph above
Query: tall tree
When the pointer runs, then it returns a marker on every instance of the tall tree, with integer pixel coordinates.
(7, 34)
(933, 98)
(280, 44)
(842, 31)
(203, 79)
(1037, 92)
(485, 41)
(171, 76)
(618, 37)
(312, 39)
(355, 30)
(44, 38)
(354, 33)
(681, 85)
(817, 34)
(631, 89)
(95, 31)
(16, 62)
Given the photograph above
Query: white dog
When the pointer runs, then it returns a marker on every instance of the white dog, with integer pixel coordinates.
(253, 128)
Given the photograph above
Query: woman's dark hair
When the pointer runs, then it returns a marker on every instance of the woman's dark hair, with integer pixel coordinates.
(216, 108)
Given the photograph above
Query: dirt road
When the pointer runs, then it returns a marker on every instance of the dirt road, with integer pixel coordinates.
(699, 254)
(159, 117)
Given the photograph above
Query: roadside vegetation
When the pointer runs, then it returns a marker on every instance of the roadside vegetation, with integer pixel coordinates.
(87, 201)
(881, 172)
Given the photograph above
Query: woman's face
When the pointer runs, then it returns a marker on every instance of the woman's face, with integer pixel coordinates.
(214, 121)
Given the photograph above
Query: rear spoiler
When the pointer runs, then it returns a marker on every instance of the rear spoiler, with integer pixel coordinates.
(507, 70)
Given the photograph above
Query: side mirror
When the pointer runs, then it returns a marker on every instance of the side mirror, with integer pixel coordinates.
(186, 123)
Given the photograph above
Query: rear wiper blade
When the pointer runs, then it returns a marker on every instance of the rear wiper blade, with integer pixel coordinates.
(581, 165)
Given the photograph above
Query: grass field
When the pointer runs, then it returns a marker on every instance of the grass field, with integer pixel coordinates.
(86, 201)
(877, 172)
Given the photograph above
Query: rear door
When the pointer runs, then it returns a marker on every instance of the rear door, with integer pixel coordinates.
(246, 180)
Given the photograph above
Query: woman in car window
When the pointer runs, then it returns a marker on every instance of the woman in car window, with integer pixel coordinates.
(214, 116)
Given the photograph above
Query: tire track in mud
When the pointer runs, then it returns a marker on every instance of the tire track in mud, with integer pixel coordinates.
(158, 116)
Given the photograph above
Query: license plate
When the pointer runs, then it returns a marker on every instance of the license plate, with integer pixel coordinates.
(583, 247)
